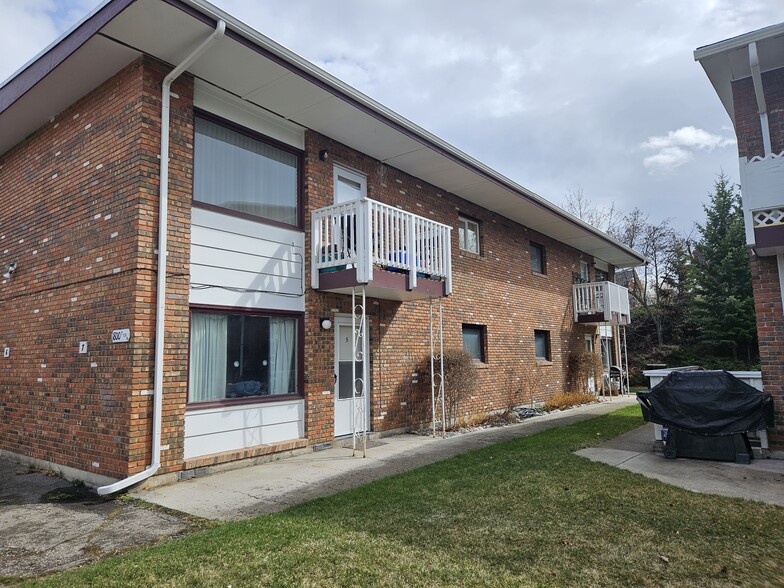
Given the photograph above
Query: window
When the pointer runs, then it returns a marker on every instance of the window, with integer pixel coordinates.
(542, 345)
(242, 355)
(468, 234)
(349, 185)
(601, 275)
(474, 341)
(537, 259)
(240, 172)
(588, 342)
(584, 278)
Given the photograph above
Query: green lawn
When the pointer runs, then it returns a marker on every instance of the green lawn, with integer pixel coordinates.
(521, 513)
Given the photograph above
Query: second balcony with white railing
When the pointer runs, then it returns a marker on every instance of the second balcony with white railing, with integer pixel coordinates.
(601, 302)
(393, 253)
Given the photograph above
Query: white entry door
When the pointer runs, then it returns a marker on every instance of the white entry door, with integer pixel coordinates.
(344, 382)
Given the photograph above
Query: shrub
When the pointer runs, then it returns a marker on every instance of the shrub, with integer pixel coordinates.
(581, 368)
(563, 400)
(460, 379)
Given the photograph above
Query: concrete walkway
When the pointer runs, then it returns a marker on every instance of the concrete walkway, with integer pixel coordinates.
(270, 487)
(762, 480)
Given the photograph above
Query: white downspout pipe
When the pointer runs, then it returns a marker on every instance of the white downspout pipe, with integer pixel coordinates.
(762, 107)
(163, 225)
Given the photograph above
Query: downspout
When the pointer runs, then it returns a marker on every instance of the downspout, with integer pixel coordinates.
(762, 107)
(163, 225)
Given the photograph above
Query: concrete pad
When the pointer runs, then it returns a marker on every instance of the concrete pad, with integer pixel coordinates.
(761, 480)
(274, 486)
(48, 524)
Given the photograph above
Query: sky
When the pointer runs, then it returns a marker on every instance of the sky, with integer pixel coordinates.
(602, 97)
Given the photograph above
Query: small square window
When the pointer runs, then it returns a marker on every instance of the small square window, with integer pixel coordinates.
(542, 345)
(538, 264)
(601, 275)
(474, 341)
(468, 235)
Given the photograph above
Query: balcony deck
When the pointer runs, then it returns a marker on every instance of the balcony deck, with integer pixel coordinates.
(601, 302)
(367, 243)
(762, 187)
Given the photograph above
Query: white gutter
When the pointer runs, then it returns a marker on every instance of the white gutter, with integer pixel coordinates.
(762, 108)
(163, 225)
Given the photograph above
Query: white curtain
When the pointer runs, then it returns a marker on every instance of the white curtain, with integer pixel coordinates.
(208, 356)
(241, 173)
(283, 349)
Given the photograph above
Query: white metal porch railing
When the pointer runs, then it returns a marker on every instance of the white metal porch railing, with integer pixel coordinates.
(605, 298)
(365, 233)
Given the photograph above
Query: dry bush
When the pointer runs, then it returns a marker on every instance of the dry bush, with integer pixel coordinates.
(581, 367)
(563, 400)
(460, 379)
(531, 379)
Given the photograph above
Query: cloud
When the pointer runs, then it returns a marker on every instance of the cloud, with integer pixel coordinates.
(677, 148)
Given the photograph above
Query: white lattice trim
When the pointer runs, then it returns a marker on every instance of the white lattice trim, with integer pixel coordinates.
(768, 218)
(771, 156)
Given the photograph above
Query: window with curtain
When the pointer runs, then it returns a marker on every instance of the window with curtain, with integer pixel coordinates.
(242, 173)
(242, 355)
(542, 345)
(474, 341)
(538, 263)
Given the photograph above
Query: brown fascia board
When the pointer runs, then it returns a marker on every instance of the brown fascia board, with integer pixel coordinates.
(50, 58)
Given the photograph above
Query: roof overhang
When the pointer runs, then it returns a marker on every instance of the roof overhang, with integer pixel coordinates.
(258, 70)
(728, 60)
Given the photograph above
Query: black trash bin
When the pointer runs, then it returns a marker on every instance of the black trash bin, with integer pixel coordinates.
(707, 414)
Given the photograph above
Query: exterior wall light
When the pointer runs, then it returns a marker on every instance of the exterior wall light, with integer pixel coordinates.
(323, 155)
(326, 324)
(11, 269)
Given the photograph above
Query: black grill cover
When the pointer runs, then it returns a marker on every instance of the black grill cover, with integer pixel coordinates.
(707, 403)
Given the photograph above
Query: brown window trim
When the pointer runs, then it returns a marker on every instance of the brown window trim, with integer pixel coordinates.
(204, 404)
(544, 258)
(219, 120)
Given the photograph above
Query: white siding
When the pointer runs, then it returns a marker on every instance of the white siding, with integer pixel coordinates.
(242, 263)
(229, 428)
(242, 112)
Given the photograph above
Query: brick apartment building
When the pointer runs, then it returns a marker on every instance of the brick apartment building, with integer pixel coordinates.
(286, 196)
(747, 73)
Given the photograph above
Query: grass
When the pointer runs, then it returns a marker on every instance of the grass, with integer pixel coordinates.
(522, 513)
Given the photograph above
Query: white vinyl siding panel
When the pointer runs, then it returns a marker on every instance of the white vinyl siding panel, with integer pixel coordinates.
(245, 264)
(229, 428)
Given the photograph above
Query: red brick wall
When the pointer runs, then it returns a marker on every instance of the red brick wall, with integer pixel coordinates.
(78, 210)
(765, 278)
(496, 289)
(747, 121)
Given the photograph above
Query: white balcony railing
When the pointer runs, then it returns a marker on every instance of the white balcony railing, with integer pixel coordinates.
(367, 234)
(602, 298)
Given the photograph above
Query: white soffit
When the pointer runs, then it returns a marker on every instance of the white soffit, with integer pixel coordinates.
(62, 87)
(728, 60)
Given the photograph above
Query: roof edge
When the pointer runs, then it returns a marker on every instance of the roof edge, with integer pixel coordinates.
(738, 42)
(407, 126)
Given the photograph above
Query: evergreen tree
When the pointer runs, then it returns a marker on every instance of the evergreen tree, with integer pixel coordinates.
(723, 308)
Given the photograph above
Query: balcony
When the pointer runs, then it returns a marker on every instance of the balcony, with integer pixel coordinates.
(601, 302)
(394, 254)
(762, 186)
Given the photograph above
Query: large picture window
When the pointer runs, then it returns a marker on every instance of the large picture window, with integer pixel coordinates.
(242, 173)
(242, 355)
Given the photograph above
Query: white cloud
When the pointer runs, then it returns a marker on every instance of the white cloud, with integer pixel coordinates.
(688, 137)
(677, 148)
(667, 159)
